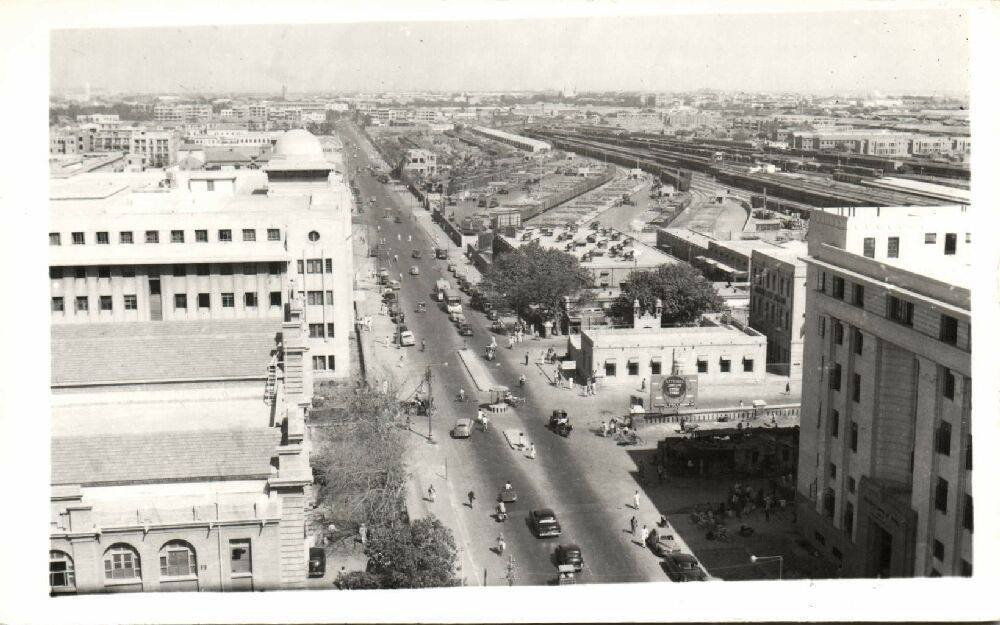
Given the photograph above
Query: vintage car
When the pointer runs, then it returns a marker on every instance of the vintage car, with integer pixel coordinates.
(570, 554)
(544, 523)
(462, 429)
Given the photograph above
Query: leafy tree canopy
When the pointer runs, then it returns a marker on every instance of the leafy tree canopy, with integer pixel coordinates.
(535, 279)
(684, 292)
(420, 555)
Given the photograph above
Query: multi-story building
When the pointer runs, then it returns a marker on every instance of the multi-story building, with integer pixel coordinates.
(181, 113)
(420, 162)
(155, 148)
(210, 245)
(777, 303)
(884, 479)
(101, 120)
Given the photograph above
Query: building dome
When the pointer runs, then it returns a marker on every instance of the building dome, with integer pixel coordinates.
(298, 144)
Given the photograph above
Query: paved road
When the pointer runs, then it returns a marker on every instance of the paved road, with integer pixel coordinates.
(559, 478)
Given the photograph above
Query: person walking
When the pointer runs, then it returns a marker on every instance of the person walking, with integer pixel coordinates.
(643, 385)
(634, 524)
(501, 544)
(525, 359)
(645, 534)
(430, 492)
(604, 427)
(531, 451)
(501, 512)
(635, 500)
(363, 533)
(520, 440)
(788, 388)
(472, 498)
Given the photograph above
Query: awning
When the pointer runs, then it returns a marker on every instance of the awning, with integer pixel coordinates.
(656, 359)
(702, 357)
(610, 361)
(725, 357)
(633, 361)
(568, 365)
(748, 357)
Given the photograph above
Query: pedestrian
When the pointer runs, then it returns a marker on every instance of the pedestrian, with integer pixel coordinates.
(531, 452)
(526, 359)
(399, 237)
(520, 440)
(643, 384)
(363, 533)
(430, 492)
(614, 425)
(501, 544)
(385, 386)
(472, 498)
(788, 388)
(645, 534)
(635, 500)
(634, 524)
(409, 237)
(741, 404)
(604, 427)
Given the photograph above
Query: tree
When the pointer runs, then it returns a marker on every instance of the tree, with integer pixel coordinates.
(533, 280)
(421, 555)
(683, 291)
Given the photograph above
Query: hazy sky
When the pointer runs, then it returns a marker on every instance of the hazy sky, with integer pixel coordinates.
(891, 52)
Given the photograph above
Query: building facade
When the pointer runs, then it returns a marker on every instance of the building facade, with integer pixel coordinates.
(777, 304)
(884, 479)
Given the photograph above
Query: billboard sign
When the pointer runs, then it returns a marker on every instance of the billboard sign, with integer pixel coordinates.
(674, 387)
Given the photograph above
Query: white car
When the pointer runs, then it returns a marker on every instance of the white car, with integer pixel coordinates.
(414, 270)
(406, 339)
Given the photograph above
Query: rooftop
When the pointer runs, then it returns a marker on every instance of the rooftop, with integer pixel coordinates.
(711, 334)
(153, 457)
(160, 351)
(645, 255)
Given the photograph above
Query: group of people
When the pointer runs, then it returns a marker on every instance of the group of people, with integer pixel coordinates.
(591, 388)
(615, 426)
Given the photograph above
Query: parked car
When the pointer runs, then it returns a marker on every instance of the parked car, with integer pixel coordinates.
(456, 317)
(465, 329)
(570, 554)
(317, 562)
(406, 339)
(492, 315)
(544, 523)
(416, 254)
(681, 567)
(462, 429)
(394, 285)
(414, 270)
(662, 544)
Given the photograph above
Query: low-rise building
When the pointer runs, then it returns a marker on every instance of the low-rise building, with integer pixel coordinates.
(419, 161)
(518, 141)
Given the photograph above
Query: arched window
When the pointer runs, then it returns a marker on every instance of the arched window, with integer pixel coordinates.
(177, 559)
(121, 561)
(61, 570)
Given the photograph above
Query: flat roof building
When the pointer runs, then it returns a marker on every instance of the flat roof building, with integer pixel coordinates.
(884, 479)
(777, 303)
(518, 141)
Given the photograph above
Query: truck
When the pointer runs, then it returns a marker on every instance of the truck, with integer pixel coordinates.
(453, 301)
(440, 288)
(441, 253)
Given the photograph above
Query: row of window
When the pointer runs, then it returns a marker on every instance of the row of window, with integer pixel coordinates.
(178, 270)
(204, 300)
(896, 308)
(930, 238)
(655, 367)
(122, 562)
(224, 235)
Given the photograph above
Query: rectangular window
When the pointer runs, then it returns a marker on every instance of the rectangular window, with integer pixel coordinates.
(858, 295)
(314, 265)
(854, 436)
(838, 287)
(204, 300)
(893, 249)
(249, 269)
(275, 298)
(938, 550)
(968, 453)
(610, 369)
(856, 388)
(240, 557)
(822, 326)
(724, 365)
(125, 237)
(748, 365)
(633, 368)
(821, 281)
(328, 265)
(949, 384)
(930, 238)
(838, 332)
(329, 331)
(899, 310)
(968, 237)
(105, 303)
(82, 303)
(858, 341)
(274, 269)
(273, 234)
(104, 271)
(176, 236)
(228, 300)
(949, 329)
(835, 423)
(849, 519)
(102, 238)
(201, 236)
(869, 247)
(655, 367)
(329, 298)
(249, 234)
(55, 238)
(852, 485)
(81, 273)
(941, 495)
(950, 243)
(315, 330)
(702, 365)
(152, 236)
(128, 271)
(835, 377)
(943, 439)
(202, 269)
(225, 269)
(833, 471)
(314, 298)
(55, 273)
(225, 236)
(180, 271)
(300, 266)
(79, 238)
(58, 305)
(250, 300)
(319, 363)
(967, 515)
(180, 301)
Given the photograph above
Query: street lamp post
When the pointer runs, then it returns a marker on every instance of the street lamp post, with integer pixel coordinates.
(428, 376)
(780, 559)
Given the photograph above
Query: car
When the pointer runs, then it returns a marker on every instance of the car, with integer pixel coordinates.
(406, 339)
(682, 567)
(544, 523)
(570, 554)
(492, 315)
(465, 329)
(662, 544)
(414, 270)
(462, 429)
(317, 562)
(507, 495)
(416, 254)
(394, 285)
(456, 317)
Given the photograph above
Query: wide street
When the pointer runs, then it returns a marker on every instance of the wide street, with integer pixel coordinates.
(590, 501)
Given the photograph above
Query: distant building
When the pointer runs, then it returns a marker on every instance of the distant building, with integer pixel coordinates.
(884, 479)
(777, 304)
(420, 162)
(522, 143)
(155, 148)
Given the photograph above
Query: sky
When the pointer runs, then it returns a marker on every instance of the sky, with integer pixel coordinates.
(846, 51)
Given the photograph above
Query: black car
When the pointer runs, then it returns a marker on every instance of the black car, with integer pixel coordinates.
(570, 554)
(317, 562)
(681, 567)
(465, 329)
(545, 523)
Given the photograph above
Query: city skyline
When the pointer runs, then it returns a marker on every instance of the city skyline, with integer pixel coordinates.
(763, 53)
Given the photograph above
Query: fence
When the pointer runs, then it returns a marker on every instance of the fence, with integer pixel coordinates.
(735, 414)
(565, 196)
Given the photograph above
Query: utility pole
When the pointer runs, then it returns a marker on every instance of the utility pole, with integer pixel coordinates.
(430, 404)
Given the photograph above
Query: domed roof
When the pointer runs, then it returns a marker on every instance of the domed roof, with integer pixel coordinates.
(298, 143)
